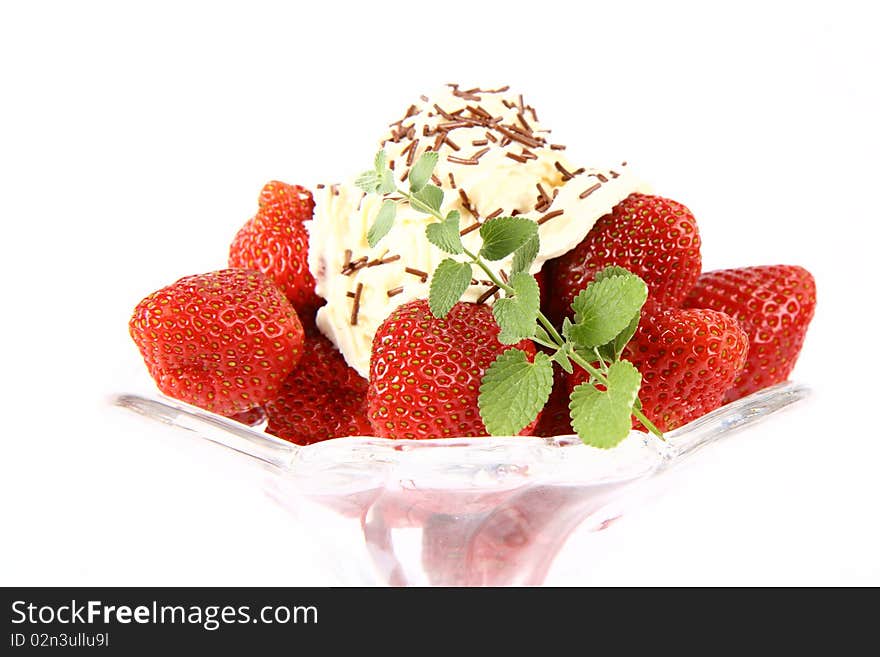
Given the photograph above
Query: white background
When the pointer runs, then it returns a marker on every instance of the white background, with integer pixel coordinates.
(134, 140)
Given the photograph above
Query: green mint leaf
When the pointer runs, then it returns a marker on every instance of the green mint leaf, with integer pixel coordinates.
(379, 162)
(449, 282)
(612, 350)
(604, 418)
(541, 334)
(504, 235)
(445, 234)
(383, 222)
(605, 308)
(612, 270)
(525, 255)
(421, 171)
(513, 391)
(368, 181)
(561, 356)
(431, 196)
(517, 315)
(387, 184)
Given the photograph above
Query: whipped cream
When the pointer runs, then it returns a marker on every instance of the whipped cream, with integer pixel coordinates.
(496, 158)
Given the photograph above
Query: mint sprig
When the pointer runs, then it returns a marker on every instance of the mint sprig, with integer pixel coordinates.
(445, 234)
(599, 416)
(605, 308)
(448, 283)
(517, 313)
(514, 389)
(504, 235)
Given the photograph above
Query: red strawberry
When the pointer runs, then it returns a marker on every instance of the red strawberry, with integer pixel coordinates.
(276, 242)
(653, 237)
(223, 340)
(297, 201)
(425, 372)
(555, 419)
(774, 304)
(688, 359)
(322, 398)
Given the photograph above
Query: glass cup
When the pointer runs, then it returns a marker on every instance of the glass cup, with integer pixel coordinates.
(458, 511)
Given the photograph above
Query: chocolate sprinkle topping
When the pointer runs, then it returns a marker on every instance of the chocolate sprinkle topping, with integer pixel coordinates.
(485, 295)
(469, 229)
(587, 192)
(417, 272)
(356, 306)
(550, 215)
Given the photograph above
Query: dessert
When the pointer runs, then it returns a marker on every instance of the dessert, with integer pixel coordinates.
(474, 282)
(496, 159)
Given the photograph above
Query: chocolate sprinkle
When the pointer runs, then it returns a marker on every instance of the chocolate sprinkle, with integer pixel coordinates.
(566, 174)
(485, 295)
(356, 306)
(417, 272)
(383, 261)
(587, 192)
(469, 229)
(550, 215)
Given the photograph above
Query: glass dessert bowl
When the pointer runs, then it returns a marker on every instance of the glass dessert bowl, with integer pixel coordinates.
(488, 511)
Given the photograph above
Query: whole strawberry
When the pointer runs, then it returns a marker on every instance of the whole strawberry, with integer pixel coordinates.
(653, 237)
(276, 242)
(425, 372)
(774, 304)
(223, 341)
(321, 398)
(688, 359)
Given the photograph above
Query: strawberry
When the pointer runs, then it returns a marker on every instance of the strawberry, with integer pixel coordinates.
(425, 372)
(321, 398)
(276, 242)
(653, 237)
(297, 201)
(688, 359)
(774, 305)
(223, 341)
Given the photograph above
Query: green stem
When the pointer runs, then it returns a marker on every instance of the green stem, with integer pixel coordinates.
(543, 343)
(419, 205)
(479, 262)
(551, 330)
